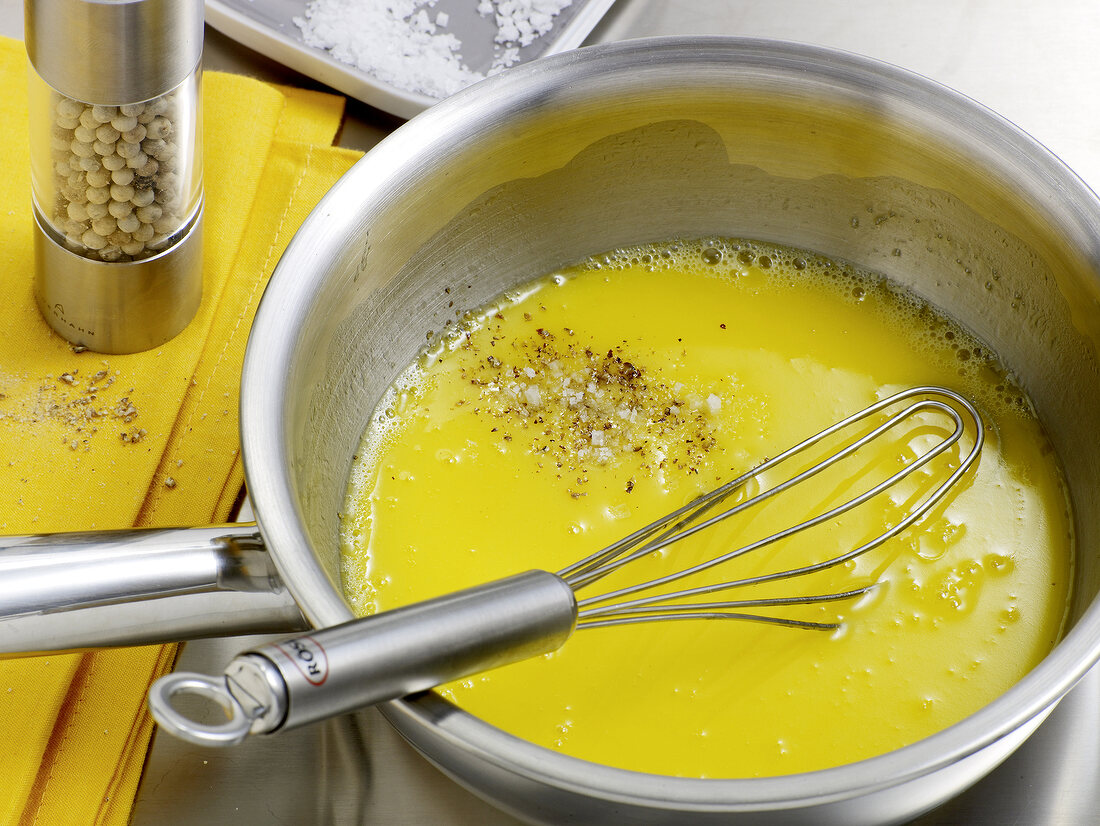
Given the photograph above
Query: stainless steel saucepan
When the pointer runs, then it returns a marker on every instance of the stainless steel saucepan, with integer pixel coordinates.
(542, 166)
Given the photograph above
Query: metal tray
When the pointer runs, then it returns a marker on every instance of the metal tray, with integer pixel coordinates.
(267, 26)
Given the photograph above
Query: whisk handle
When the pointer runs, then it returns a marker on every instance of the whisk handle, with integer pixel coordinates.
(382, 657)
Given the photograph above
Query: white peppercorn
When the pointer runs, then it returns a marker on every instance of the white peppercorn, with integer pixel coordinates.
(99, 178)
(124, 123)
(115, 181)
(142, 197)
(150, 146)
(107, 133)
(129, 223)
(81, 149)
(148, 214)
(99, 194)
(169, 187)
(167, 153)
(103, 114)
(139, 160)
(122, 193)
(159, 127)
(93, 241)
(135, 135)
(120, 209)
(127, 150)
(104, 226)
(69, 108)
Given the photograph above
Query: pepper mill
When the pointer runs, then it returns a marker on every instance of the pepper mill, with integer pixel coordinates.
(116, 167)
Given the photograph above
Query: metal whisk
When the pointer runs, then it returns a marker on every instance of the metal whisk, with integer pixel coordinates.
(395, 653)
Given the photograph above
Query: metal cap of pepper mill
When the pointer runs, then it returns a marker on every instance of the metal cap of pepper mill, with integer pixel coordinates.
(117, 291)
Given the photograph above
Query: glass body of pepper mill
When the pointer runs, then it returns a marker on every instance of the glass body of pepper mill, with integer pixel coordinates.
(116, 167)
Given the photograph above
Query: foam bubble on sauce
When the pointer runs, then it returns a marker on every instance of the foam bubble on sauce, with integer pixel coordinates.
(976, 367)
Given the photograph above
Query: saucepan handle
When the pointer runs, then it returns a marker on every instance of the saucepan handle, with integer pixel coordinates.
(335, 670)
(65, 592)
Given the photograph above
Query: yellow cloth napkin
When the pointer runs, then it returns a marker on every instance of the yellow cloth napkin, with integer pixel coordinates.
(74, 729)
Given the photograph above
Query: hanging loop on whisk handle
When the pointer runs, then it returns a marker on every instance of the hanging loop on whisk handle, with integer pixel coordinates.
(371, 660)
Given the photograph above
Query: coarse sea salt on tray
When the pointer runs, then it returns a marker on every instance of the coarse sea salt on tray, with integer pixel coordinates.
(404, 43)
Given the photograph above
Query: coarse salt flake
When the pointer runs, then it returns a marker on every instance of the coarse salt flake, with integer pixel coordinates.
(399, 43)
(394, 41)
(520, 22)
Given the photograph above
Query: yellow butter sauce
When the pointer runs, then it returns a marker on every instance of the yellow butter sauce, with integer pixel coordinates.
(586, 404)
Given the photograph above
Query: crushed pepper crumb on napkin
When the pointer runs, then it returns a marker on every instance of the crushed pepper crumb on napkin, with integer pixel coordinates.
(89, 441)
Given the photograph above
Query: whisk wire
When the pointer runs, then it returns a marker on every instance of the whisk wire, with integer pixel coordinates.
(726, 609)
(689, 524)
(688, 520)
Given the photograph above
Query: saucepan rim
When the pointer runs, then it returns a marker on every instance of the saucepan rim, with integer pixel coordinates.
(272, 350)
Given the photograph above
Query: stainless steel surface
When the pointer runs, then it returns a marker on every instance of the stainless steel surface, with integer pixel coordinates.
(114, 52)
(364, 662)
(119, 307)
(72, 591)
(617, 144)
(1034, 64)
(357, 771)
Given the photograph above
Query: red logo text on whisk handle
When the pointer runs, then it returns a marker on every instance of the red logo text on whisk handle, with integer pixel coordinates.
(309, 657)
